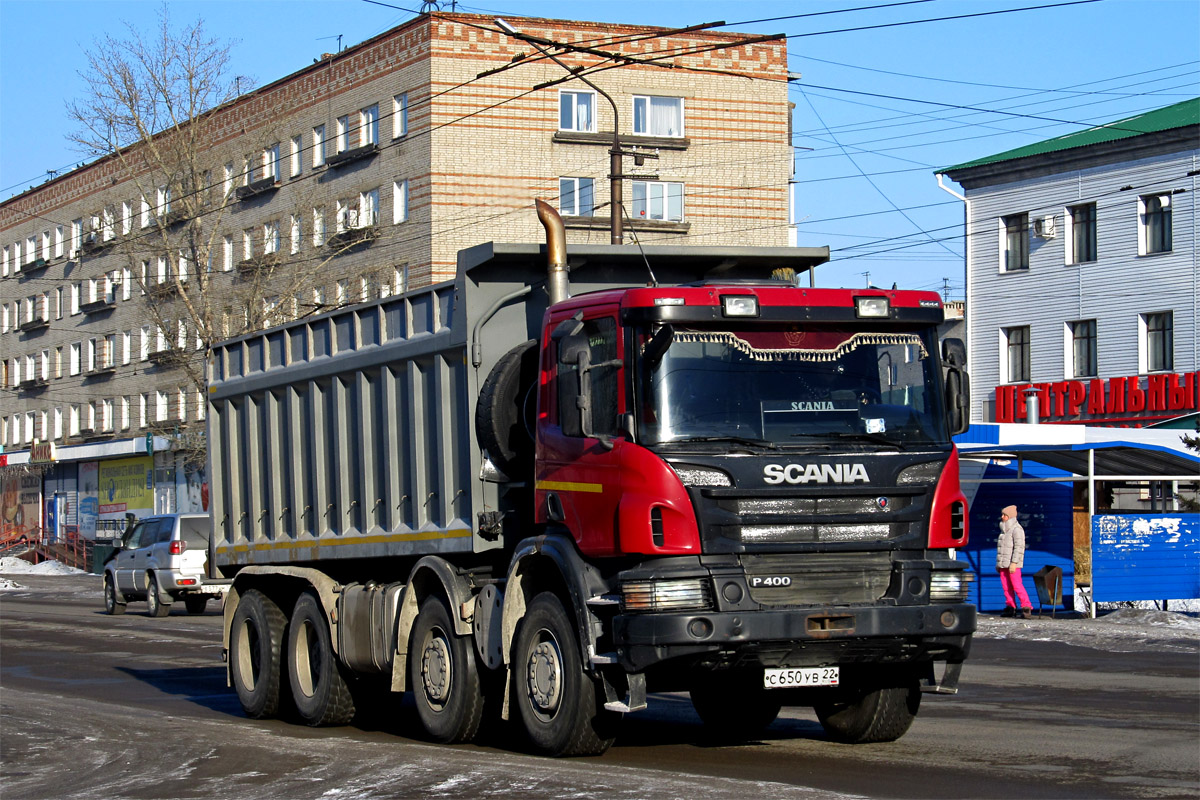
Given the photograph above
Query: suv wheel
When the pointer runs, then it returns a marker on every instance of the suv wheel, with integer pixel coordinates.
(114, 601)
(154, 603)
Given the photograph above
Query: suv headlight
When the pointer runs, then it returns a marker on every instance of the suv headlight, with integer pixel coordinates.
(950, 586)
(687, 594)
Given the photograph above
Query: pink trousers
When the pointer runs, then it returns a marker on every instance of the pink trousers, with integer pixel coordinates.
(1011, 581)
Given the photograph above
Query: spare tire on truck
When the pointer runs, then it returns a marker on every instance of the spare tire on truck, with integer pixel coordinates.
(507, 410)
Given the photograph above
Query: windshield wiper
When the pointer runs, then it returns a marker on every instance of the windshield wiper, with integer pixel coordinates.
(734, 439)
(876, 438)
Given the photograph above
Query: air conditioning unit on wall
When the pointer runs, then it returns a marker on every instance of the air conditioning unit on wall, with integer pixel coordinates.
(1044, 228)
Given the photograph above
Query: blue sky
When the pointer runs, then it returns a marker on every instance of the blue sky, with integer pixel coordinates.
(880, 108)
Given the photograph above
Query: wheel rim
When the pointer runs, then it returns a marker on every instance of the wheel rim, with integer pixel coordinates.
(248, 661)
(436, 665)
(152, 596)
(307, 660)
(544, 674)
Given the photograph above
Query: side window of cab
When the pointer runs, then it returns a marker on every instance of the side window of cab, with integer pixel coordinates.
(588, 402)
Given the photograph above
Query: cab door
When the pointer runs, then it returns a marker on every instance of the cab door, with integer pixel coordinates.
(577, 474)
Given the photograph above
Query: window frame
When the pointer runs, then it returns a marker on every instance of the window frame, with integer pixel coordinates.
(1157, 341)
(573, 94)
(1155, 224)
(648, 199)
(1017, 354)
(1084, 351)
(1014, 227)
(647, 100)
(577, 193)
(1083, 219)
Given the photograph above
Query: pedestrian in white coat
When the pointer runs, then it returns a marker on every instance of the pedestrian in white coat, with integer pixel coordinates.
(1010, 557)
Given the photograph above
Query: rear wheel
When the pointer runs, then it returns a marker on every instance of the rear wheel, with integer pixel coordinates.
(318, 688)
(255, 645)
(195, 605)
(154, 603)
(735, 706)
(881, 714)
(555, 699)
(114, 601)
(444, 676)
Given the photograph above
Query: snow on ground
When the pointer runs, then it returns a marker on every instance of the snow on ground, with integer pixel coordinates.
(7, 585)
(13, 565)
(1121, 630)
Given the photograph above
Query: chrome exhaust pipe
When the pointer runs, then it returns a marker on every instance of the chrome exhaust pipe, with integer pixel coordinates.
(558, 285)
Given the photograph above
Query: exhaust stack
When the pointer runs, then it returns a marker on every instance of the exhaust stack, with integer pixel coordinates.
(557, 284)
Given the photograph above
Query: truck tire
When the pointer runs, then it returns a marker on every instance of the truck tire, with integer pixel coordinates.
(735, 707)
(318, 688)
(881, 714)
(507, 408)
(114, 601)
(555, 699)
(154, 603)
(444, 676)
(255, 646)
(195, 604)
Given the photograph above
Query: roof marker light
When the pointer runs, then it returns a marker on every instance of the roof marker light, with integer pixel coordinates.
(668, 301)
(739, 305)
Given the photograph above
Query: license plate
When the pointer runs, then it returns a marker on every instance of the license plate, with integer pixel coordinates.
(799, 677)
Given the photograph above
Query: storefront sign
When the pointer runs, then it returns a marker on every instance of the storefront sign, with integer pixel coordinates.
(41, 452)
(126, 485)
(1132, 401)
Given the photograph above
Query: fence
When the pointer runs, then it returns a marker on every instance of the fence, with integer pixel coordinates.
(1145, 557)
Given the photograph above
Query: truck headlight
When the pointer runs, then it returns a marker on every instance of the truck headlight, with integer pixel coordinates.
(949, 586)
(687, 594)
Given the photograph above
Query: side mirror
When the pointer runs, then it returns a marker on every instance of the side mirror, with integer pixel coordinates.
(574, 357)
(958, 400)
(954, 353)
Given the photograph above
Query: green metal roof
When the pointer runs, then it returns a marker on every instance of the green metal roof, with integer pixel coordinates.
(1177, 116)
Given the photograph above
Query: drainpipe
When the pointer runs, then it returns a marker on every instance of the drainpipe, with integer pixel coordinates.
(966, 270)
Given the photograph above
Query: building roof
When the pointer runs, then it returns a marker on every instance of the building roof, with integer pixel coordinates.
(1179, 115)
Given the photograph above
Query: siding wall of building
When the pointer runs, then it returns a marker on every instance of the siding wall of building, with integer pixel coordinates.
(1114, 290)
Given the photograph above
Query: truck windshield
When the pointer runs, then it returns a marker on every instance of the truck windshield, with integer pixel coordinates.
(786, 386)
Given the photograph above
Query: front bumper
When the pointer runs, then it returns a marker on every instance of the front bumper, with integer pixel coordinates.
(797, 637)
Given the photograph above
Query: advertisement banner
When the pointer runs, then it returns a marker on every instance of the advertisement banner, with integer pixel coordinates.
(20, 503)
(126, 487)
(89, 498)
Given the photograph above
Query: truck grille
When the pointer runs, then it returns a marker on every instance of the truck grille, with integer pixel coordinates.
(817, 578)
(832, 518)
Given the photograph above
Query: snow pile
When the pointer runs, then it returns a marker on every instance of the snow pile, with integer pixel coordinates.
(13, 565)
(1153, 617)
(7, 586)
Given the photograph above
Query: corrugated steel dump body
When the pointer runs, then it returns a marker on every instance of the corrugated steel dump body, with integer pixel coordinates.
(350, 435)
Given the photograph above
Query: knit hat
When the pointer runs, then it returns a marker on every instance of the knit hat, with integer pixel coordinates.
(1009, 511)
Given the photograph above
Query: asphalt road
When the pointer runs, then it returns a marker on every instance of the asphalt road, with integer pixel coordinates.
(93, 706)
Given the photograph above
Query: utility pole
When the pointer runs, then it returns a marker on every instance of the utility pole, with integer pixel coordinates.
(616, 172)
(867, 275)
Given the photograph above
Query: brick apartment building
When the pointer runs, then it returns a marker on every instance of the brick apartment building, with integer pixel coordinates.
(361, 174)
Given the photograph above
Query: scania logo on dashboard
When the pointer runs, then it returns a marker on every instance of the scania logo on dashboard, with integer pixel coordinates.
(775, 474)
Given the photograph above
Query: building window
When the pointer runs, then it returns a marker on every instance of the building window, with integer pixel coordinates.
(227, 254)
(343, 133)
(318, 146)
(399, 115)
(270, 159)
(271, 237)
(1154, 234)
(296, 156)
(247, 244)
(1016, 242)
(228, 179)
(1016, 342)
(368, 124)
(1083, 348)
(1158, 341)
(576, 197)
(368, 209)
(76, 357)
(658, 116)
(294, 234)
(399, 202)
(318, 227)
(658, 200)
(1083, 233)
(577, 111)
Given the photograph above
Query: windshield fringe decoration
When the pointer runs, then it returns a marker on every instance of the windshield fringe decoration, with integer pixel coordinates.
(798, 353)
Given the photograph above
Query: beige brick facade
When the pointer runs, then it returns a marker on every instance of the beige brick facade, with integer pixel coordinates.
(474, 156)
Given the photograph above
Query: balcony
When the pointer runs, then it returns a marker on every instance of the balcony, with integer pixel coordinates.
(102, 372)
(173, 218)
(168, 357)
(353, 154)
(107, 303)
(162, 291)
(352, 238)
(258, 187)
(36, 324)
(93, 243)
(258, 264)
(32, 385)
(34, 267)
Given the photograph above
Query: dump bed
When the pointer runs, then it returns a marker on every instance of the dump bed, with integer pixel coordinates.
(350, 434)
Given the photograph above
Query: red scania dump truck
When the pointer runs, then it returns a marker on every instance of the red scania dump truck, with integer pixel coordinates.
(559, 493)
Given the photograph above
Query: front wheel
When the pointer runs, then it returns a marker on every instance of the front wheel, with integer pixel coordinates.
(154, 603)
(556, 700)
(870, 715)
(318, 688)
(735, 706)
(114, 601)
(444, 676)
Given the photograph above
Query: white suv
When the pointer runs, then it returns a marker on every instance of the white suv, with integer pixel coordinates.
(162, 559)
